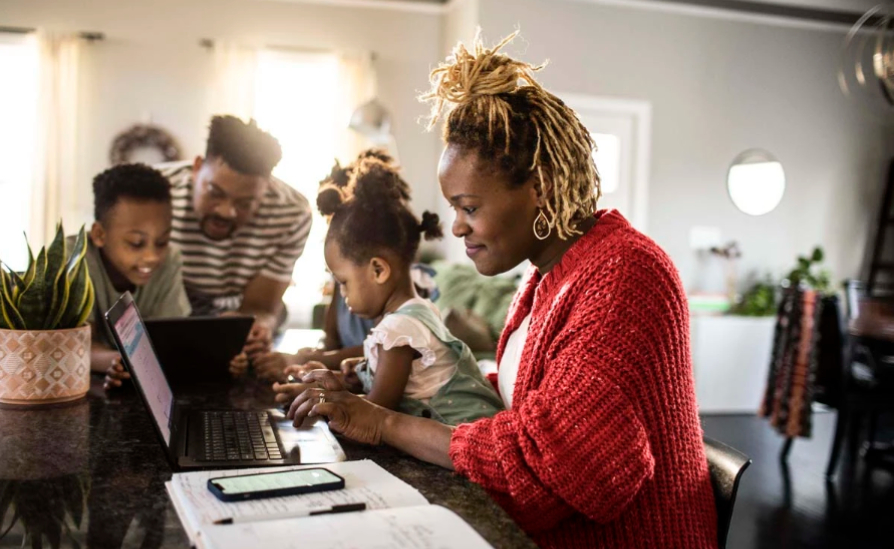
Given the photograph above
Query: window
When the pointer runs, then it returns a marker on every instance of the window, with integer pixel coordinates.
(19, 72)
(295, 100)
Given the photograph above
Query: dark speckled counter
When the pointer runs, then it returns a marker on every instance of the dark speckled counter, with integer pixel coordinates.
(92, 473)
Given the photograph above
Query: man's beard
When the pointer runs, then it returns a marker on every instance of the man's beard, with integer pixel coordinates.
(214, 218)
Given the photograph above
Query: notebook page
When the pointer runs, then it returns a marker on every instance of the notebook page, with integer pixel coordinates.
(190, 524)
(424, 527)
(365, 481)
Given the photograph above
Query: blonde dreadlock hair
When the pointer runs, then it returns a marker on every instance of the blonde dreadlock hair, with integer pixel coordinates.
(498, 108)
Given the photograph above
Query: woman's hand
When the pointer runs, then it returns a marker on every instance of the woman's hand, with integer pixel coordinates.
(115, 374)
(324, 394)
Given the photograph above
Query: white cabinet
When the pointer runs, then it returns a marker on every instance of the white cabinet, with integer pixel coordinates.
(731, 357)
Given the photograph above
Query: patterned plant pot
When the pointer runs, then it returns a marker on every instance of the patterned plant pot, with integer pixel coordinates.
(44, 366)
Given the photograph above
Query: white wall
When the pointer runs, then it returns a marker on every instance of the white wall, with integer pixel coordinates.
(459, 24)
(718, 87)
(151, 63)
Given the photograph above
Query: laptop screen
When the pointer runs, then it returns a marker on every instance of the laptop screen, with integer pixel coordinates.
(146, 369)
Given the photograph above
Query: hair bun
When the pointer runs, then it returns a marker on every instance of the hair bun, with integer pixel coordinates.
(482, 72)
(378, 154)
(430, 226)
(338, 176)
(329, 199)
(377, 184)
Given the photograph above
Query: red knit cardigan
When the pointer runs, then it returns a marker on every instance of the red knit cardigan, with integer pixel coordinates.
(603, 446)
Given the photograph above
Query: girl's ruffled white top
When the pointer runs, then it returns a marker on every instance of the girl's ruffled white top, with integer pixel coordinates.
(430, 371)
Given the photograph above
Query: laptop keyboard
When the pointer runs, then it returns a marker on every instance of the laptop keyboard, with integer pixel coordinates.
(239, 435)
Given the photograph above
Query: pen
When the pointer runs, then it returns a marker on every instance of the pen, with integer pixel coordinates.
(344, 508)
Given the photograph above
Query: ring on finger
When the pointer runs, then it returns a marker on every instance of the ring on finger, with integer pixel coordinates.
(322, 397)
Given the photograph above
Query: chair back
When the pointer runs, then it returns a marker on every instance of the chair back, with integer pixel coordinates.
(860, 296)
(869, 315)
(726, 465)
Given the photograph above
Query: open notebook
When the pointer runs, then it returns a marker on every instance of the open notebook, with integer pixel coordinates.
(397, 515)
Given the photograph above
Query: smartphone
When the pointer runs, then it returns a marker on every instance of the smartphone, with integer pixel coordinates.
(280, 483)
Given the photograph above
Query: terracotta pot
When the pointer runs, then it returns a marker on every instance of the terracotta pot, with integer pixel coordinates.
(44, 366)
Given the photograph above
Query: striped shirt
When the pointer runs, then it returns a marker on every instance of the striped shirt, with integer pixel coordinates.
(215, 273)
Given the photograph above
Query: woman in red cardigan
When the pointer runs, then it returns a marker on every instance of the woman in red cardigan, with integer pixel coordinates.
(600, 445)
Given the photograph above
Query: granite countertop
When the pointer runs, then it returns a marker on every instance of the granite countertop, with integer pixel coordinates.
(92, 474)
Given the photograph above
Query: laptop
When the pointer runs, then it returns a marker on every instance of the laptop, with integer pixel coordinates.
(198, 350)
(209, 439)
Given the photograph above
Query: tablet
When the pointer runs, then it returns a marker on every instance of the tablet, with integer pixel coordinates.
(198, 350)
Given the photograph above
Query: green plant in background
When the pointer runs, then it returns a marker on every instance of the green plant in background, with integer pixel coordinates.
(54, 293)
(759, 300)
(809, 273)
(45, 509)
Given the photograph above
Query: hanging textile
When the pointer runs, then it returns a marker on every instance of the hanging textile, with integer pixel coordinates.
(793, 364)
(827, 384)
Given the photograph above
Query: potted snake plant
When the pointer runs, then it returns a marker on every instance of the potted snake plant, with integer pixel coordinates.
(44, 334)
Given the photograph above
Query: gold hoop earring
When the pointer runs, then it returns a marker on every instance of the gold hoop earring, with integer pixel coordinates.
(542, 227)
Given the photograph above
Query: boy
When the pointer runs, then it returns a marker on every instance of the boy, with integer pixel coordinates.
(129, 250)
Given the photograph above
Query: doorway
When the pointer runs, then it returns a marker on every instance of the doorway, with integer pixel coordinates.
(621, 129)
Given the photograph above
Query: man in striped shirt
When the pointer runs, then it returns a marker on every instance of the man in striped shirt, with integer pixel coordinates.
(240, 230)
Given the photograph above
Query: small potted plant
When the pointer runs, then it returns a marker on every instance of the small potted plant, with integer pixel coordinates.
(809, 274)
(44, 335)
(758, 300)
(729, 253)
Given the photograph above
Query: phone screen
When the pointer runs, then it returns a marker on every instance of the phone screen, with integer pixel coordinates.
(275, 481)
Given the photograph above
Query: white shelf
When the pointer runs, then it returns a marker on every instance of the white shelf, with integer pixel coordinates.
(731, 357)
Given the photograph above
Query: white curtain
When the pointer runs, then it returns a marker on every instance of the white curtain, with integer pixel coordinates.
(305, 99)
(233, 86)
(55, 193)
(357, 85)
